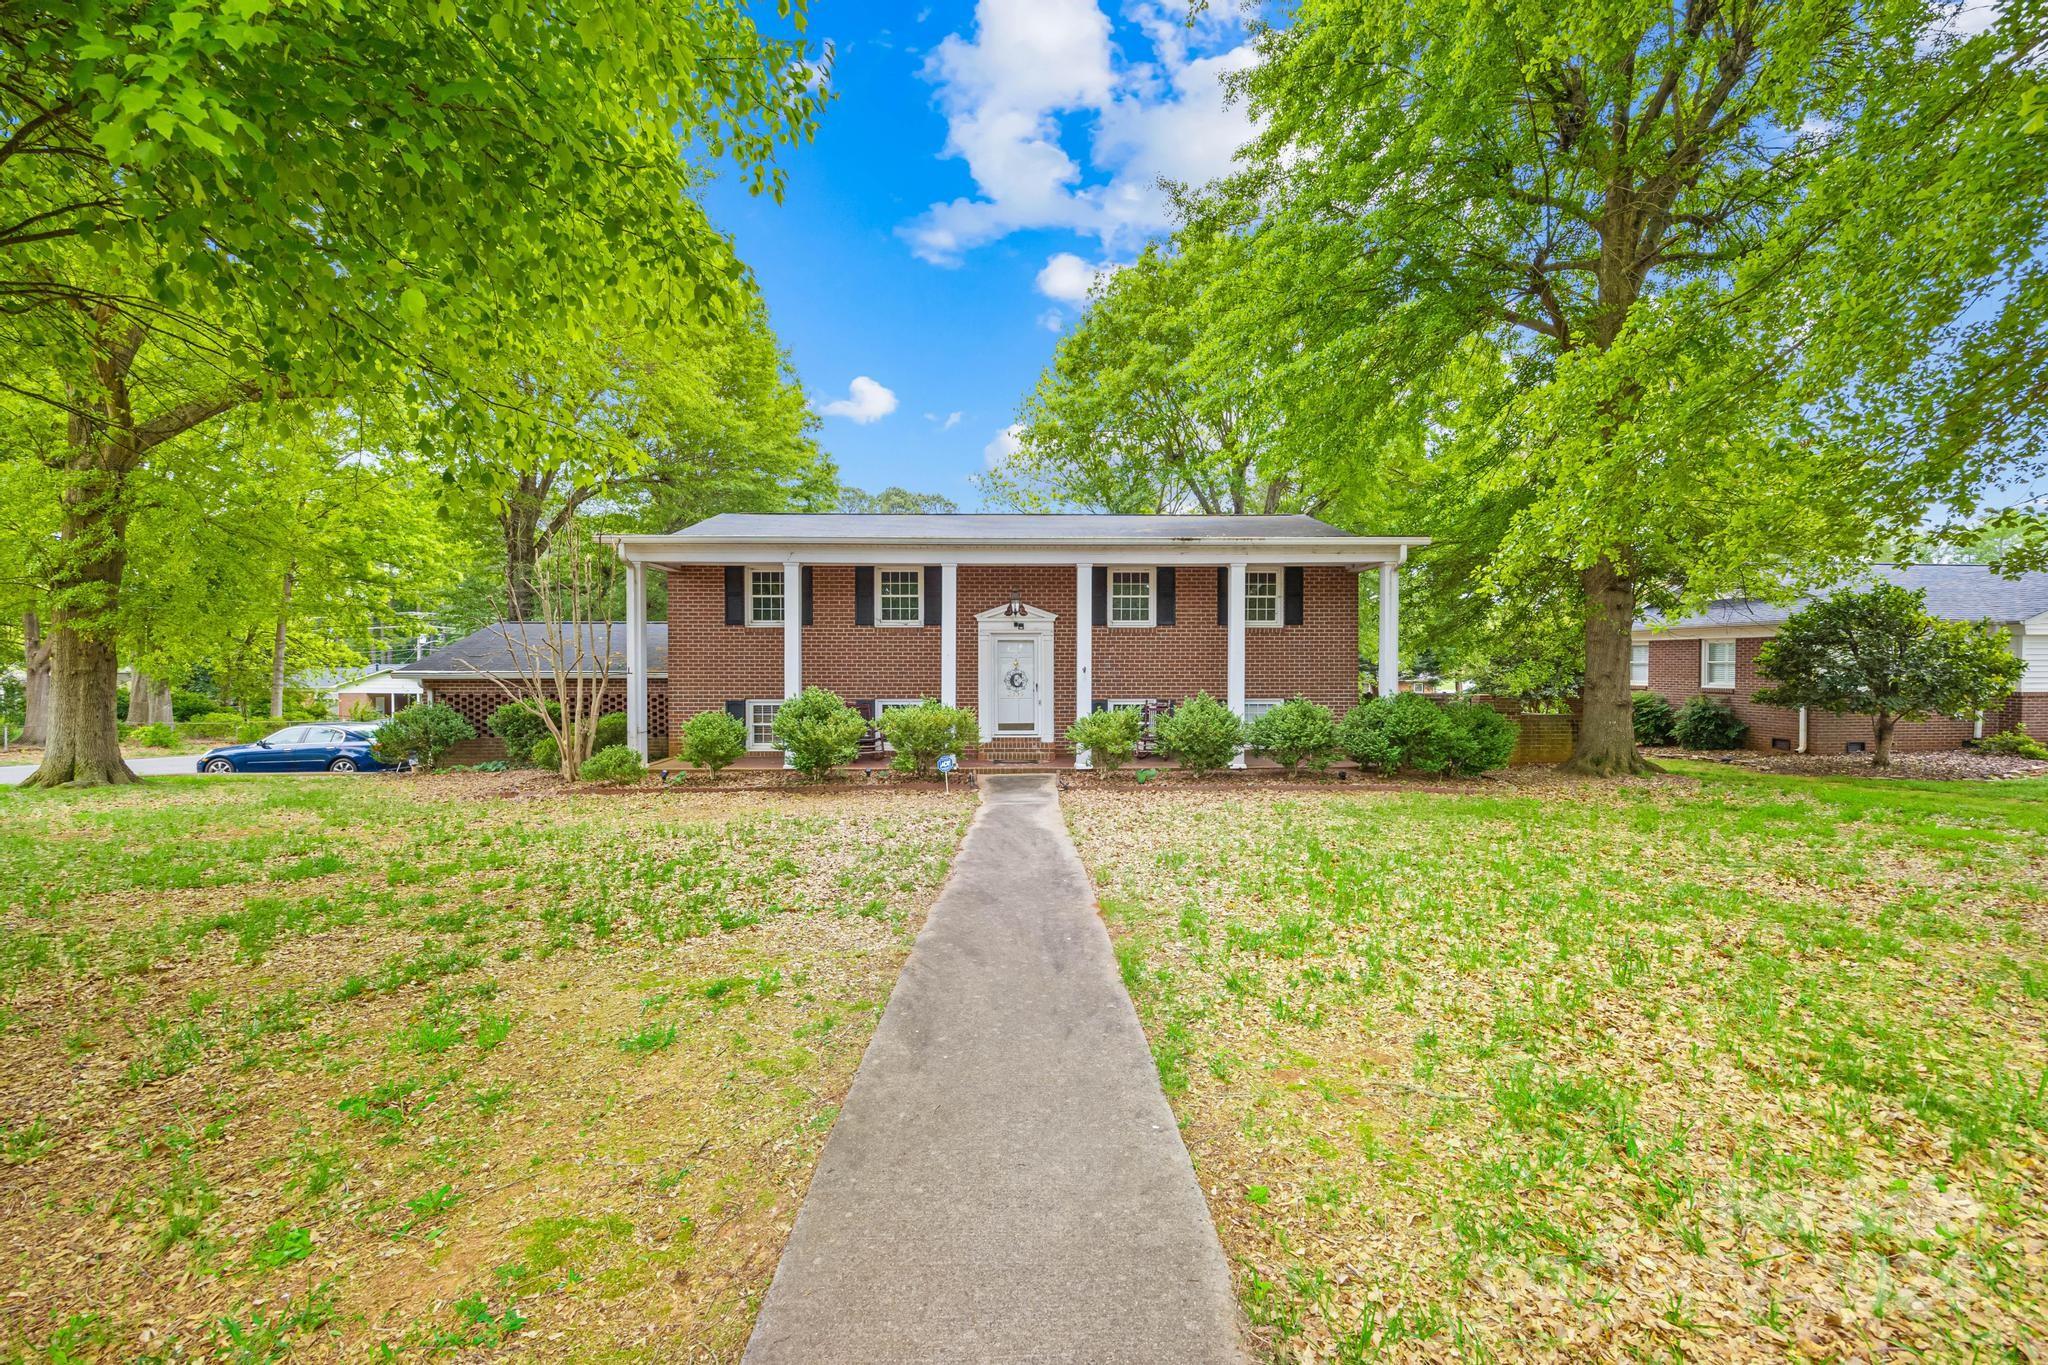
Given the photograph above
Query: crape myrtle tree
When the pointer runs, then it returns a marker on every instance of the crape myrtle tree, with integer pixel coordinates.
(1697, 242)
(1878, 653)
(207, 206)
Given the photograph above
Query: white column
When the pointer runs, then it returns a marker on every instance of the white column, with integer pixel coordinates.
(1084, 650)
(636, 657)
(949, 634)
(1390, 628)
(792, 632)
(1234, 648)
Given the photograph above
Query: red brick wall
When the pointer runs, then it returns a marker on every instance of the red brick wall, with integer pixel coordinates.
(1675, 673)
(711, 663)
(474, 699)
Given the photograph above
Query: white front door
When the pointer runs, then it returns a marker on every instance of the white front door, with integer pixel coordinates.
(1016, 685)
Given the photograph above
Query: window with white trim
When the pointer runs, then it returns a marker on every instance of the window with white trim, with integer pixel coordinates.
(1638, 665)
(765, 597)
(899, 597)
(761, 723)
(1262, 597)
(1254, 709)
(1130, 597)
(1717, 663)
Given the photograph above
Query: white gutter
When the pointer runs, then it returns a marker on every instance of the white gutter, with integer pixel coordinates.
(1014, 550)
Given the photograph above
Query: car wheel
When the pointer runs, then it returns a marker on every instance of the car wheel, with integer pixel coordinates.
(342, 765)
(219, 765)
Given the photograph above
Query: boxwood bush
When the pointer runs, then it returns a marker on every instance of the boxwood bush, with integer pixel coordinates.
(520, 725)
(1703, 723)
(1387, 734)
(615, 763)
(1110, 736)
(1296, 732)
(546, 754)
(611, 730)
(713, 740)
(819, 731)
(158, 736)
(1201, 734)
(920, 733)
(1475, 739)
(422, 733)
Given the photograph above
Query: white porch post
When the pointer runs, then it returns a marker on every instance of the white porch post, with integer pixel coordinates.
(636, 657)
(792, 632)
(949, 634)
(1084, 650)
(1234, 648)
(1390, 628)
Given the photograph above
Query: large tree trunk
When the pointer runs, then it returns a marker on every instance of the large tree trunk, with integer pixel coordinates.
(147, 700)
(520, 522)
(37, 650)
(1883, 724)
(1606, 745)
(84, 746)
(284, 612)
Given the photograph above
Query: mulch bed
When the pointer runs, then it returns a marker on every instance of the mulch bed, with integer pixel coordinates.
(1946, 765)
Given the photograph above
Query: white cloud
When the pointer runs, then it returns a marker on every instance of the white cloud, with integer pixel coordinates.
(1036, 72)
(1070, 279)
(1003, 445)
(946, 423)
(865, 402)
(1052, 320)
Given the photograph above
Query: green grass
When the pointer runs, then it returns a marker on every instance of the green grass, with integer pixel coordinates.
(1720, 1063)
(303, 1063)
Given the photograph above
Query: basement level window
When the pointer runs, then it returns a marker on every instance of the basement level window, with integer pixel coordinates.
(1854, 746)
(761, 724)
(1781, 744)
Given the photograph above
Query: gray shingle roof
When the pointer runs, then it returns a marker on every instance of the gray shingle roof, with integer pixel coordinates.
(510, 649)
(1955, 592)
(998, 526)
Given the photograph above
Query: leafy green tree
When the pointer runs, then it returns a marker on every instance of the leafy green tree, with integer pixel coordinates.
(261, 203)
(1643, 279)
(1878, 653)
(896, 500)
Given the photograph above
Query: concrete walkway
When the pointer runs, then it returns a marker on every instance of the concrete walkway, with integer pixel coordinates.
(1005, 1182)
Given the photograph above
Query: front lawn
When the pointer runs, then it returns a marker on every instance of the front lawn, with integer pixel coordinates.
(315, 1066)
(1715, 1065)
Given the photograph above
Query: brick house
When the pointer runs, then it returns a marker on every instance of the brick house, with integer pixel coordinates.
(1026, 619)
(1713, 653)
(472, 675)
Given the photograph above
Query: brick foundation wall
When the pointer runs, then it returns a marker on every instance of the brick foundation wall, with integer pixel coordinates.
(474, 699)
(711, 663)
(1675, 674)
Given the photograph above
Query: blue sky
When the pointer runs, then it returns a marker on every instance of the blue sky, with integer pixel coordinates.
(979, 164)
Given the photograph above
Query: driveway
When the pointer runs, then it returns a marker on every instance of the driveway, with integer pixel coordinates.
(14, 774)
(1006, 1182)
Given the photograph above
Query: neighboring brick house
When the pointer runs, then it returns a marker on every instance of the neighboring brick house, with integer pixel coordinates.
(1026, 619)
(1714, 653)
(473, 675)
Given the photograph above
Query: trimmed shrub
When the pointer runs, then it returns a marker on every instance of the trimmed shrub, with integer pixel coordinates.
(1475, 739)
(185, 705)
(614, 763)
(1201, 734)
(819, 731)
(249, 731)
(1653, 718)
(422, 733)
(520, 725)
(920, 733)
(611, 731)
(1387, 734)
(1703, 723)
(221, 725)
(545, 754)
(158, 736)
(2016, 742)
(1110, 736)
(713, 740)
(1296, 732)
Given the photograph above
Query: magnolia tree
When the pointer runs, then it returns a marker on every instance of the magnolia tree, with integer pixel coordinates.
(1879, 654)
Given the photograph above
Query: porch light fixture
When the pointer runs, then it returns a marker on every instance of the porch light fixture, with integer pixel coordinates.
(1016, 607)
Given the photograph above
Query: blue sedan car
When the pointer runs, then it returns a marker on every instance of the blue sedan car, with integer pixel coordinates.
(329, 748)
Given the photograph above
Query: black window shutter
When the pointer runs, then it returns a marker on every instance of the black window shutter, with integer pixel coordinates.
(1163, 578)
(1292, 580)
(1101, 704)
(934, 593)
(866, 708)
(864, 595)
(808, 594)
(735, 595)
(737, 710)
(1222, 594)
(1101, 616)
